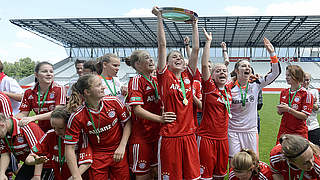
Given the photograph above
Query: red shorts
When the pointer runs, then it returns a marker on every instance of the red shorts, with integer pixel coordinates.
(213, 157)
(103, 165)
(178, 158)
(142, 157)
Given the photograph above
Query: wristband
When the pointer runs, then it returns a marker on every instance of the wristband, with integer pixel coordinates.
(186, 44)
(274, 59)
(288, 110)
(224, 50)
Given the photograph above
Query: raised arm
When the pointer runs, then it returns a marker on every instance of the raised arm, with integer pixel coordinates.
(225, 53)
(187, 46)
(275, 66)
(193, 60)
(205, 56)
(162, 48)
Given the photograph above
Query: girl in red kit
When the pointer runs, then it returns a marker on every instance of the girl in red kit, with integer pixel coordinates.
(143, 97)
(178, 155)
(106, 121)
(212, 133)
(245, 165)
(19, 141)
(295, 158)
(51, 146)
(295, 104)
(43, 98)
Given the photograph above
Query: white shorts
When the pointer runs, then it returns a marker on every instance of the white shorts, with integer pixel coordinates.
(241, 140)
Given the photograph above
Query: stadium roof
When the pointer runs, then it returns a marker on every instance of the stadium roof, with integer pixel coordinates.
(237, 31)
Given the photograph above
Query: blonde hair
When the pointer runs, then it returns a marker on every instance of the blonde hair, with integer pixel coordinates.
(135, 57)
(294, 145)
(245, 160)
(105, 58)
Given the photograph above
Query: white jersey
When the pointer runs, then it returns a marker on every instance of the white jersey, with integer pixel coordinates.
(312, 121)
(117, 84)
(245, 119)
(9, 84)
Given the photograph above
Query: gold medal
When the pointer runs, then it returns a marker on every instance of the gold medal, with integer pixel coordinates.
(98, 139)
(185, 102)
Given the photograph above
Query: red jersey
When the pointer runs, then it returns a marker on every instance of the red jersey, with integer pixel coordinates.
(303, 102)
(279, 165)
(21, 140)
(5, 105)
(172, 97)
(49, 146)
(56, 96)
(107, 121)
(214, 124)
(263, 174)
(141, 92)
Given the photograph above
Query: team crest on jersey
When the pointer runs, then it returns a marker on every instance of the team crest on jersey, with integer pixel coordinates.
(56, 147)
(187, 81)
(142, 164)
(148, 88)
(111, 114)
(251, 98)
(89, 123)
(20, 139)
(305, 107)
(297, 99)
(30, 97)
(124, 114)
(51, 95)
(295, 106)
(165, 175)
(202, 168)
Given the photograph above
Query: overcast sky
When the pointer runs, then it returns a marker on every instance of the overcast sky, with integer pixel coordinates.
(17, 43)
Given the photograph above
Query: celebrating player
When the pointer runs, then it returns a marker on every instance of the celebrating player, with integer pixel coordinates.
(105, 120)
(212, 133)
(242, 131)
(51, 146)
(43, 98)
(144, 99)
(295, 104)
(295, 158)
(177, 152)
(18, 140)
(245, 165)
(109, 65)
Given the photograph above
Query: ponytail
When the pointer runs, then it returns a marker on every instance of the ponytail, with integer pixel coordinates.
(75, 99)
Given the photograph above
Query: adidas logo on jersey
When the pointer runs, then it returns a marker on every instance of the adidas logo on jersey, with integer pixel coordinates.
(89, 123)
(30, 97)
(56, 147)
(148, 88)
